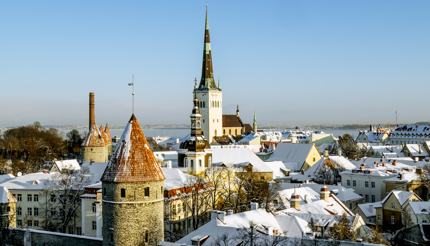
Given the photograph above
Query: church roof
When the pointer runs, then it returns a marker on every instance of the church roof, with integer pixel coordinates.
(133, 159)
(231, 120)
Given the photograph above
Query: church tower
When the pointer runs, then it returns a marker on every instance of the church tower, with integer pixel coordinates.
(195, 153)
(133, 204)
(208, 93)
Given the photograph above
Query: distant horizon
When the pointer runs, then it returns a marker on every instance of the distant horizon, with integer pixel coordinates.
(294, 63)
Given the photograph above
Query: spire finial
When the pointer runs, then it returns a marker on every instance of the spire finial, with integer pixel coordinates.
(206, 19)
(237, 110)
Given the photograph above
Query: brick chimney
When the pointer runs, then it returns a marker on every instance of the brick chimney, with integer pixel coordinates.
(92, 117)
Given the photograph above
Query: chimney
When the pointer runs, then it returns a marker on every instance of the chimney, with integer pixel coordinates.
(295, 201)
(254, 205)
(230, 212)
(215, 214)
(92, 113)
(324, 193)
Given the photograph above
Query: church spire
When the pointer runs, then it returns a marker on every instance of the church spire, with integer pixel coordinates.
(196, 130)
(207, 81)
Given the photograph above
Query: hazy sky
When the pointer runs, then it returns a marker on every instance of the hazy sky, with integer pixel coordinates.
(293, 62)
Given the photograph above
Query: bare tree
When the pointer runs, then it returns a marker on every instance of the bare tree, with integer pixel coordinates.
(64, 199)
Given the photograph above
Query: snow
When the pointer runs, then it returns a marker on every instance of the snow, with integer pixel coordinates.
(175, 178)
(416, 150)
(5, 177)
(32, 181)
(124, 146)
(401, 196)
(369, 209)
(4, 195)
(420, 207)
(238, 157)
(67, 164)
(291, 153)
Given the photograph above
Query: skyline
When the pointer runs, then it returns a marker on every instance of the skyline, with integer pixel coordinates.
(291, 63)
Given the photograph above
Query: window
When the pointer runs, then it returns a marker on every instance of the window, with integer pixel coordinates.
(348, 183)
(36, 211)
(52, 198)
(146, 236)
(36, 198)
(366, 184)
(19, 222)
(36, 223)
(373, 198)
(354, 183)
(94, 225)
(373, 184)
(191, 163)
(393, 220)
(19, 197)
(367, 198)
(19, 210)
(29, 211)
(146, 191)
(78, 230)
(93, 207)
(29, 223)
(122, 192)
(200, 163)
(29, 198)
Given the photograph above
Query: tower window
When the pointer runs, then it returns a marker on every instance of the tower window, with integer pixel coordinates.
(146, 236)
(191, 163)
(146, 191)
(122, 192)
(200, 163)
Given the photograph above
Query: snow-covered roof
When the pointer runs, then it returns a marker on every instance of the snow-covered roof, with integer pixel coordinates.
(175, 178)
(32, 181)
(416, 150)
(291, 225)
(369, 209)
(67, 165)
(5, 177)
(333, 206)
(238, 157)
(342, 162)
(401, 196)
(95, 170)
(166, 155)
(420, 207)
(306, 194)
(291, 153)
(248, 138)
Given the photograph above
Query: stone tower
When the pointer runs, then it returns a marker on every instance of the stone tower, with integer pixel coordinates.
(133, 204)
(208, 93)
(94, 147)
(195, 152)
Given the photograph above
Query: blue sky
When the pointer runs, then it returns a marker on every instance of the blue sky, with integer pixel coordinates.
(293, 62)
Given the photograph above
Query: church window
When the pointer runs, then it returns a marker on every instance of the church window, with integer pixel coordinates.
(237, 132)
(223, 131)
(229, 131)
(122, 192)
(146, 191)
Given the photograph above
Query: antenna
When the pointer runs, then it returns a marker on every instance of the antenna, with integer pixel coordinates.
(132, 92)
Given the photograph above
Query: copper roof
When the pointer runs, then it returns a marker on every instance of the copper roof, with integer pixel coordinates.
(231, 120)
(106, 134)
(94, 138)
(133, 160)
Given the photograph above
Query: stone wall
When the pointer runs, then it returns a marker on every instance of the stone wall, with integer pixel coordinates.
(22, 237)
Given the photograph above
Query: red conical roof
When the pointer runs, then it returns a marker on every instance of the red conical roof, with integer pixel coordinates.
(133, 159)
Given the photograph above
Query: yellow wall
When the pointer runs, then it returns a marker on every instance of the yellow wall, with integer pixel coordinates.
(234, 131)
(312, 158)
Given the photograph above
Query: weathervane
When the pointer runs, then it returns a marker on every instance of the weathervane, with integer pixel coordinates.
(132, 92)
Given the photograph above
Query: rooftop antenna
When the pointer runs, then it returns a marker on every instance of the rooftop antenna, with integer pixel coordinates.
(132, 92)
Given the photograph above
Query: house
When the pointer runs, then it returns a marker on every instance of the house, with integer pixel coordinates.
(65, 165)
(415, 151)
(304, 155)
(410, 134)
(367, 211)
(391, 214)
(418, 212)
